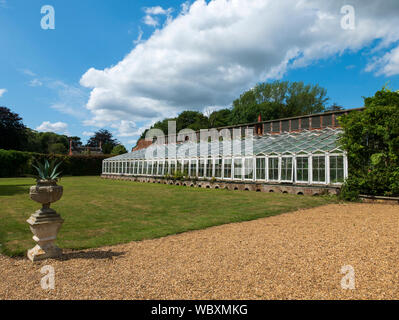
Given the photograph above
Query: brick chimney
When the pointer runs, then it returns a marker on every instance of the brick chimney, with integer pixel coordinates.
(70, 146)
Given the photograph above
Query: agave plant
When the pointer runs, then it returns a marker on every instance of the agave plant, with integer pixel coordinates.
(47, 171)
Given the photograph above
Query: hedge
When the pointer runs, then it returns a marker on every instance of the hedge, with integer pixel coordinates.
(18, 163)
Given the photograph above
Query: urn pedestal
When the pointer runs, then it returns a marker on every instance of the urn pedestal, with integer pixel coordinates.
(45, 222)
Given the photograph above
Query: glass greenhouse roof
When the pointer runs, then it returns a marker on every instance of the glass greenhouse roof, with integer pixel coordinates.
(324, 140)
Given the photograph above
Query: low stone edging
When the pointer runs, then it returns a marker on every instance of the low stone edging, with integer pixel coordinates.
(234, 185)
(379, 199)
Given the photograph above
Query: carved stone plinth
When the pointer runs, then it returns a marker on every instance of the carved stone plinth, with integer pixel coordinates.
(46, 222)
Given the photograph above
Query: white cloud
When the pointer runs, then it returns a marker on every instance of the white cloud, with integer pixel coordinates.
(28, 72)
(88, 133)
(57, 127)
(71, 99)
(139, 37)
(125, 128)
(158, 10)
(35, 83)
(387, 65)
(212, 52)
(2, 91)
(150, 21)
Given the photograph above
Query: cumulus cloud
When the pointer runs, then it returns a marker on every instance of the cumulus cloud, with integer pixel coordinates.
(386, 65)
(57, 127)
(125, 128)
(2, 91)
(211, 52)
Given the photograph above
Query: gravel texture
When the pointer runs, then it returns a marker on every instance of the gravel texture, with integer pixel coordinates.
(296, 255)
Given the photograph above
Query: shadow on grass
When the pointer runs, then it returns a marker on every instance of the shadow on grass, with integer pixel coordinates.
(10, 190)
(96, 254)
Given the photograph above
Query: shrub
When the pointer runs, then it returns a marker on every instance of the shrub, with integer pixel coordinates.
(17, 163)
(371, 138)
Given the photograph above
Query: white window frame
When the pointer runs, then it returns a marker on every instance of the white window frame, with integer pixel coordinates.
(256, 168)
(231, 168)
(221, 167)
(188, 166)
(278, 167)
(244, 166)
(292, 168)
(296, 168)
(196, 168)
(329, 173)
(234, 168)
(325, 182)
(199, 163)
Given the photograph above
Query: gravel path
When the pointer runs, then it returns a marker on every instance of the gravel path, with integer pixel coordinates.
(291, 256)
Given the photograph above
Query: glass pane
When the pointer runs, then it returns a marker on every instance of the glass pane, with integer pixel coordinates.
(185, 167)
(248, 169)
(273, 168)
(227, 168)
(237, 168)
(218, 168)
(193, 168)
(260, 169)
(319, 172)
(166, 170)
(178, 166)
(201, 168)
(286, 169)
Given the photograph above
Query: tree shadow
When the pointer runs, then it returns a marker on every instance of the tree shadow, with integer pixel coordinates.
(95, 254)
(10, 190)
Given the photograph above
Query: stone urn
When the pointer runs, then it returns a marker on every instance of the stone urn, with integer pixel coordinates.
(45, 222)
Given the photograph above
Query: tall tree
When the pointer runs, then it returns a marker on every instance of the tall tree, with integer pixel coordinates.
(192, 120)
(12, 130)
(220, 118)
(119, 149)
(103, 136)
(278, 100)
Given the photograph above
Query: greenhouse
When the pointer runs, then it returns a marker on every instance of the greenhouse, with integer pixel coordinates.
(308, 157)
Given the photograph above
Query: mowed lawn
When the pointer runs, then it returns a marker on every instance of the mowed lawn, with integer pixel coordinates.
(99, 212)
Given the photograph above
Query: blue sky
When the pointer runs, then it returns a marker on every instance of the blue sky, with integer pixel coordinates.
(123, 64)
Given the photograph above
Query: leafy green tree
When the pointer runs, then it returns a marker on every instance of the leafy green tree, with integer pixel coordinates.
(107, 148)
(46, 139)
(371, 138)
(278, 100)
(119, 149)
(76, 142)
(334, 107)
(220, 118)
(102, 137)
(12, 130)
(57, 148)
(192, 120)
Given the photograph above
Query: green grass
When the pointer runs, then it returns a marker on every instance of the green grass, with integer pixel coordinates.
(101, 212)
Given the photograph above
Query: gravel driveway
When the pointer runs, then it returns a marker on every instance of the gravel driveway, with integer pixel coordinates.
(296, 255)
